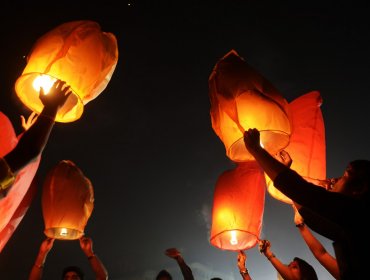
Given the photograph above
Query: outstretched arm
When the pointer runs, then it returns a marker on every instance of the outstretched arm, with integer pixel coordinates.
(37, 268)
(35, 138)
(284, 271)
(242, 258)
(269, 164)
(95, 263)
(315, 246)
(185, 269)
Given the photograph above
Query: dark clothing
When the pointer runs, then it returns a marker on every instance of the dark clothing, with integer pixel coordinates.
(340, 218)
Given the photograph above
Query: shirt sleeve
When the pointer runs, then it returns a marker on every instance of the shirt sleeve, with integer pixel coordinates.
(329, 205)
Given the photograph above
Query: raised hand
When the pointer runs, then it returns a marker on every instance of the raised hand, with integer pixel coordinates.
(26, 124)
(252, 139)
(86, 245)
(57, 95)
(172, 253)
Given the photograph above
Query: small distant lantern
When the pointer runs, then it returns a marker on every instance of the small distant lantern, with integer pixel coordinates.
(307, 146)
(241, 99)
(67, 201)
(78, 53)
(238, 206)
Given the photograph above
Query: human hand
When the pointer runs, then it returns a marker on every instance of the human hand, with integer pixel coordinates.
(173, 253)
(252, 139)
(46, 245)
(264, 247)
(57, 95)
(30, 121)
(284, 157)
(86, 245)
(242, 258)
(298, 219)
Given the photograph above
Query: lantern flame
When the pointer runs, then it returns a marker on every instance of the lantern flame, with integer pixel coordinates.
(44, 81)
(63, 232)
(234, 239)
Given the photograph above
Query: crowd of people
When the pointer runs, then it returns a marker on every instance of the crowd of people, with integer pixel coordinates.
(336, 212)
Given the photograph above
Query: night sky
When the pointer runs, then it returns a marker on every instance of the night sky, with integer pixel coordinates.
(146, 142)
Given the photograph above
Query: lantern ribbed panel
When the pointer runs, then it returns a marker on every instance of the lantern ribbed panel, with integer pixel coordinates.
(307, 146)
(67, 201)
(78, 53)
(241, 99)
(238, 206)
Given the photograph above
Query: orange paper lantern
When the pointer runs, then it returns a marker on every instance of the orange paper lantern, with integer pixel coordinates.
(67, 201)
(238, 206)
(241, 99)
(78, 53)
(307, 146)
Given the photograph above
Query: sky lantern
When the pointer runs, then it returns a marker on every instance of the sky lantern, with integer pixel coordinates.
(241, 98)
(238, 206)
(307, 146)
(15, 204)
(76, 52)
(67, 201)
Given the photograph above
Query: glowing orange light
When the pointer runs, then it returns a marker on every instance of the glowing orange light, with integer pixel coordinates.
(76, 52)
(238, 205)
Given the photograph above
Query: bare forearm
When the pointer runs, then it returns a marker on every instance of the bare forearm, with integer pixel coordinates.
(99, 269)
(32, 142)
(283, 270)
(268, 163)
(319, 251)
(38, 267)
(185, 269)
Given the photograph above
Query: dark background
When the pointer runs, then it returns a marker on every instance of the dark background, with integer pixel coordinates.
(146, 142)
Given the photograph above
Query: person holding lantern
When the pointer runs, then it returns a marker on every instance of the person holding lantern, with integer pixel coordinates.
(338, 214)
(70, 272)
(297, 269)
(34, 139)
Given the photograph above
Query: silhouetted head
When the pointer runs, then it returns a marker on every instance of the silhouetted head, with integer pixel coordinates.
(307, 272)
(72, 273)
(216, 278)
(355, 180)
(163, 275)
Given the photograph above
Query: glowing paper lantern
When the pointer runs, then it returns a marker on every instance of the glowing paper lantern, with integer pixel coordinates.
(78, 53)
(67, 201)
(238, 206)
(14, 205)
(307, 146)
(241, 99)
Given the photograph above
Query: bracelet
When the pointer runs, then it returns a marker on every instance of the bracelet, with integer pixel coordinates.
(300, 225)
(39, 266)
(270, 257)
(91, 256)
(244, 272)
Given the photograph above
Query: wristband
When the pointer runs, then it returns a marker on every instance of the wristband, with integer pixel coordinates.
(300, 225)
(270, 257)
(244, 272)
(91, 256)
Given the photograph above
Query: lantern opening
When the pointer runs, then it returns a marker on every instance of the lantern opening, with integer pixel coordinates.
(63, 233)
(234, 240)
(28, 88)
(272, 141)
